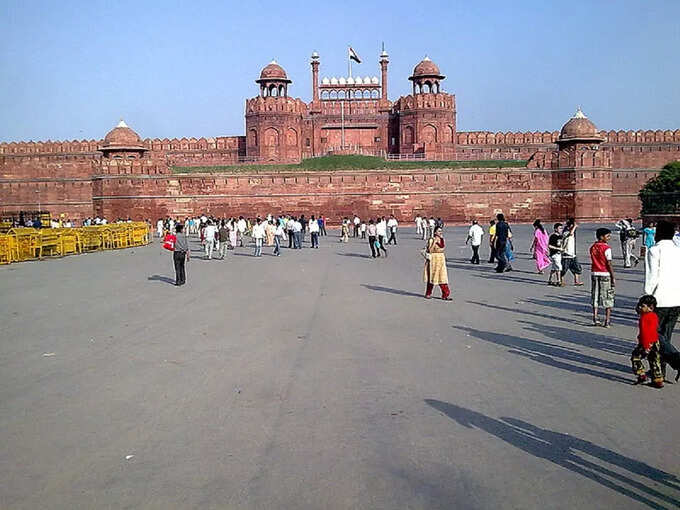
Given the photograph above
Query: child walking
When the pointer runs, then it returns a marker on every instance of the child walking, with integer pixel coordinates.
(648, 343)
(555, 250)
(602, 277)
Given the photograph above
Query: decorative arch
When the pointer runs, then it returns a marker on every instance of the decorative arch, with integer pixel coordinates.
(375, 94)
(291, 137)
(324, 94)
(271, 137)
(367, 94)
(448, 133)
(252, 136)
(429, 134)
(333, 94)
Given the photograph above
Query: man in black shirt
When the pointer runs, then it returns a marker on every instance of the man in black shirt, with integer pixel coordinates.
(502, 234)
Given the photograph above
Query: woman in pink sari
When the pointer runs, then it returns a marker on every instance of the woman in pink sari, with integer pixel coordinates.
(540, 247)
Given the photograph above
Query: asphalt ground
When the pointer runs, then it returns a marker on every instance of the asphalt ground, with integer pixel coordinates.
(322, 379)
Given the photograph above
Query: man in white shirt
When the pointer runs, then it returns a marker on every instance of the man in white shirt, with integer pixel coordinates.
(159, 228)
(209, 237)
(419, 225)
(429, 231)
(357, 222)
(475, 234)
(241, 229)
(297, 234)
(381, 230)
(569, 260)
(314, 231)
(258, 235)
(392, 225)
(662, 280)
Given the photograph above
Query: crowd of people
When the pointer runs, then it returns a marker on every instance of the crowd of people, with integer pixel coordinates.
(658, 308)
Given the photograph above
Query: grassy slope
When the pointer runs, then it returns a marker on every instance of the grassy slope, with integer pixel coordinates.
(351, 162)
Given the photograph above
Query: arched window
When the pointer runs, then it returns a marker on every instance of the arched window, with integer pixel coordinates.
(334, 94)
(324, 94)
(341, 94)
(367, 94)
(272, 90)
(357, 94)
(282, 90)
(375, 94)
(417, 87)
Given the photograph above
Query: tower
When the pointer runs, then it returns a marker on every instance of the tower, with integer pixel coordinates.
(427, 117)
(582, 179)
(273, 120)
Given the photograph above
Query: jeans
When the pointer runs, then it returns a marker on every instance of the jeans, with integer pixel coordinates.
(381, 243)
(500, 255)
(492, 253)
(371, 243)
(258, 247)
(291, 238)
(277, 245)
(322, 229)
(297, 238)
(223, 248)
(393, 237)
(475, 254)
(315, 239)
(179, 258)
(668, 317)
(629, 253)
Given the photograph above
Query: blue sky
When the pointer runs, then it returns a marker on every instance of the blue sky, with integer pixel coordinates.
(71, 70)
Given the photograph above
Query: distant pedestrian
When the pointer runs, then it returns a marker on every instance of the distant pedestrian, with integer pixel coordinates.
(181, 255)
(258, 235)
(492, 241)
(648, 234)
(278, 237)
(555, 250)
(223, 234)
(475, 234)
(322, 225)
(434, 272)
(381, 228)
(314, 232)
(344, 232)
(539, 247)
(392, 225)
(502, 236)
(372, 238)
(569, 259)
(209, 236)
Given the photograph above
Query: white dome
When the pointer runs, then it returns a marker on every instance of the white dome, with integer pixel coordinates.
(325, 81)
(350, 81)
(374, 80)
(357, 80)
(334, 81)
(367, 80)
(341, 81)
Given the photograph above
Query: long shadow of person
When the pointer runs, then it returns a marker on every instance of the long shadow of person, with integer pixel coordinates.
(392, 291)
(159, 278)
(551, 354)
(566, 451)
(582, 338)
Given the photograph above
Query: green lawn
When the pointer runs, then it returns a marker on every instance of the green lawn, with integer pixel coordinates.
(350, 162)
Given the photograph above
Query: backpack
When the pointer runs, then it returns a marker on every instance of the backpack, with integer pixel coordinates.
(631, 233)
(169, 242)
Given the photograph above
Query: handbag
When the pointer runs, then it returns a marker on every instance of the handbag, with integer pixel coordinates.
(169, 242)
(425, 254)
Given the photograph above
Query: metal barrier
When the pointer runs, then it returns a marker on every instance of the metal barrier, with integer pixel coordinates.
(20, 244)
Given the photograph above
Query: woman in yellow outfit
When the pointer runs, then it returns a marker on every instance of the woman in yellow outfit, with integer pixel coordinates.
(434, 272)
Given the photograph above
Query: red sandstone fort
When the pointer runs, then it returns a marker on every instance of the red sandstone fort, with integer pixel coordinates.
(579, 171)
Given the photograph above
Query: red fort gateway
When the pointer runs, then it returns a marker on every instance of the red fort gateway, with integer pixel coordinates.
(579, 171)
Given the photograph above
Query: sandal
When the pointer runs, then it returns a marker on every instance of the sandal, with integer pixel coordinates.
(578, 284)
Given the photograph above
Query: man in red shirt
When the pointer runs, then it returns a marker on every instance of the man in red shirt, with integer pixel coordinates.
(648, 343)
(602, 276)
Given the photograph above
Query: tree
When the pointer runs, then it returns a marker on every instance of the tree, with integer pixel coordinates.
(661, 195)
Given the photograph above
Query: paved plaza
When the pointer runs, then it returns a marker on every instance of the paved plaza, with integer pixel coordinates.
(322, 379)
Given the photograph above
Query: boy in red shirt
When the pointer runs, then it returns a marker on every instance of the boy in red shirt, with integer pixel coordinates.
(602, 276)
(648, 343)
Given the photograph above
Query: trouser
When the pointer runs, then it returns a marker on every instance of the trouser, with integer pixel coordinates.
(419, 229)
(371, 243)
(209, 247)
(492, 253)
(291, 238)
(443, 286)
(258, 247)
(277, 245)
(630, 252)
(298, 240)
(315, 239)
(426, 233)
(624, 248)
(179, 258)
(223, 248)
(570, 264)
(653, 358)
(393, 237)
(363, 234)
(475, 254)
(240, 238)
(381, 243)
(322, 230)
(356, 231)
(500, 255)
(668, 317)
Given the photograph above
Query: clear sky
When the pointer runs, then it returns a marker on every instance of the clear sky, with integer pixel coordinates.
(71, 70)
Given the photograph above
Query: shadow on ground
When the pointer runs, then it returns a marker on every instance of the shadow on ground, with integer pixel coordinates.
(392, 291)
(159, 278)
(574, 454)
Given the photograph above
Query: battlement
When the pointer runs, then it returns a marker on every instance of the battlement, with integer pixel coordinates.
(426, 100)
(276, 104)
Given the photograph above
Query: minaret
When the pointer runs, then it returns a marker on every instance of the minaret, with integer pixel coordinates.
(315, 77)
(384, 60)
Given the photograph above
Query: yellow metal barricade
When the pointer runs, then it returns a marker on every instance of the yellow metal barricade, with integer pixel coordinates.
(26, 243)
(91, 238)
(50, 243)
(70, 241)
(5, 249)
